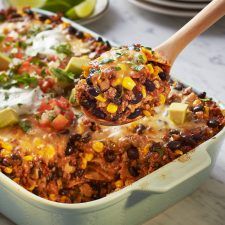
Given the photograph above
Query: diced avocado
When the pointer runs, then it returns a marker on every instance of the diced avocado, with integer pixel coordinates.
(177, 112)
(72, 98)
(75, 65)
(4, 62)
(8, 117)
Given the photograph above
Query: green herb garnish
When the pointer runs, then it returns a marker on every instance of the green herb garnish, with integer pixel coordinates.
(62, 75)
(6, 96)
(64, 49)
(158, 149)
(206, 99)
(117, 68)
(107, 60)
(25, 125)
(137, 67)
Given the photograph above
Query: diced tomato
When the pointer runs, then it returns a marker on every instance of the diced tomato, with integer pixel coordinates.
(63, 103)
(69, 115)
(27, 67)
(60, 122)
(18, 55)
(44, 106)
(46, 84)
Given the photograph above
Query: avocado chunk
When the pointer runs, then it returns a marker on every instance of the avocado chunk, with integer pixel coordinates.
(4, 62)
(8, 117)
(75, 65)
(178, 112)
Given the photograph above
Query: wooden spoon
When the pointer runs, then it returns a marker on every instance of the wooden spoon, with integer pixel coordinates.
(171, 48)
(168, 51)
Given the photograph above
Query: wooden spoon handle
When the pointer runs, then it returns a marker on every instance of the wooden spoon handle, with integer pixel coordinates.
(171, 48)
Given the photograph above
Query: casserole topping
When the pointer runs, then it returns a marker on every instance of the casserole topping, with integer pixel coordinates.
(54, 151)
(123, 84)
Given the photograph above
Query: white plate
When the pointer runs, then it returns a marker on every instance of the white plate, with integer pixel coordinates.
(164, 10)
(179, 4)
(100, 9)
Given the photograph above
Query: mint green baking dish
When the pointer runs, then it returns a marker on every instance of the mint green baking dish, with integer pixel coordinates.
(130, 206)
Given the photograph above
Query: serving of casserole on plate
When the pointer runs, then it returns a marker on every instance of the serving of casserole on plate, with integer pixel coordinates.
(51, 155)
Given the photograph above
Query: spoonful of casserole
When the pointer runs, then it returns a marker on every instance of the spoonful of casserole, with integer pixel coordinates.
(127, 83)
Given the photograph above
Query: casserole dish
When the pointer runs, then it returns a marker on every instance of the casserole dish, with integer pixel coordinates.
(131, 205)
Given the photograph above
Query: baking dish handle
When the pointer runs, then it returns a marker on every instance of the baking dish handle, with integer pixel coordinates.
(178, 171)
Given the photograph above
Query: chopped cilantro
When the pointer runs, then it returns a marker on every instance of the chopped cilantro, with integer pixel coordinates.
(117, 68)
(64, 49)
(206, 99)
(2, 38)
(137, 67)
(107, 60)
(140, 58)
(25, 125)
(6, 96)
(62, 75)
(158, 149)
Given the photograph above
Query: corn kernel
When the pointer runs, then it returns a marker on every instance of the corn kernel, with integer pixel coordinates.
(100, 98)
(98, 146)
(117, 81)
(69, 169)
(178, 152)
(63, 198)
(28, 158)
(83, 164)
(157, 70)
(128, 83)
(119, 183)
(146, 149)
(147, 113)
(8, 170)
(162, 99)
(6, 145)
(88, 156)
(151, 69)
(197, 102)
(37, 142)
(48, 21)
(112, 108)
(5, 153)
(52, 197)
(123, 67)
(143, 91)
(31, 188)
(49, 151)
(17, 179)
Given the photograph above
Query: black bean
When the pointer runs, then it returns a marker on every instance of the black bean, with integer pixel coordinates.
(173, 145)
(117, 101)
(63, 191)
(99, 39)
(133, 171)
(79, 34)
(202, 95)
(162, 76)
(96, 196)
(70, 148)
(188, 141)
(140, 129)
(75, 137)
(174, 131)
(135, 114)
(179, 86)
(89, 81)
(29, 12)
(198, 108)
(213, 123)
(72, 30)
(93, 91)
(137, 99)
(43, 17)
(98, 113)
(109, 156)
(86, 137)
(16, 157)
(64, 132)
(79, 173)
(150, 86)
(88, 103)
(35, 191)
(132, 152)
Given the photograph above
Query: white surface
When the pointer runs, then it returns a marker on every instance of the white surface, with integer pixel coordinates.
(164, 9)
(202, 65)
